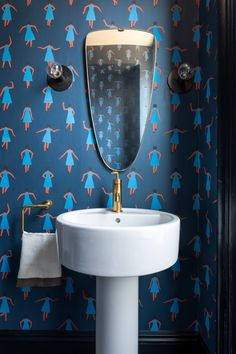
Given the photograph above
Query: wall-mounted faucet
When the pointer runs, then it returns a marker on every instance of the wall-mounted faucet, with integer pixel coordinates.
(117, 193)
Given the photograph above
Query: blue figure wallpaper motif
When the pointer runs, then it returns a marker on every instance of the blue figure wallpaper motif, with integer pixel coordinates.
(47, 152)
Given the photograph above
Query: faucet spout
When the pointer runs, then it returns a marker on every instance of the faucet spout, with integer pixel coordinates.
(117, 193)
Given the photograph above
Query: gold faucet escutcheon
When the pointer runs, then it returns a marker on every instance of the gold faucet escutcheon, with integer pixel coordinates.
(117, 193)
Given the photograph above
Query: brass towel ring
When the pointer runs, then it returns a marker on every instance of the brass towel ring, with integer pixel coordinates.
(47, 204)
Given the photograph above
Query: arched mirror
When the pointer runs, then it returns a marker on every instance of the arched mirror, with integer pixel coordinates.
(120, 65)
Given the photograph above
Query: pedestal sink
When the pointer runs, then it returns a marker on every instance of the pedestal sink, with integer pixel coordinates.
(117, 248)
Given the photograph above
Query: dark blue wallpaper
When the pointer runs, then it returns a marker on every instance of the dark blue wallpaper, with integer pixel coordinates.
(43, 156)
(207, 226)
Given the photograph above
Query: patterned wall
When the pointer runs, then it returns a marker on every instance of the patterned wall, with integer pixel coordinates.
(207, 226)
(38, 141)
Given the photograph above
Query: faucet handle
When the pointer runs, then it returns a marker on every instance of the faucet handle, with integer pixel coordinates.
(116, 173)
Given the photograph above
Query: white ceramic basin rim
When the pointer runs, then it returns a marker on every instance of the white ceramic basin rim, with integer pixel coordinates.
(105, 218)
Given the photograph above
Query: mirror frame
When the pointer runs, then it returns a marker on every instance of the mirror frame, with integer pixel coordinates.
(90, 37)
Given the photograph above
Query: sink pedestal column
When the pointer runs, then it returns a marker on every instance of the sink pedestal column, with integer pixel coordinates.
(117, 315)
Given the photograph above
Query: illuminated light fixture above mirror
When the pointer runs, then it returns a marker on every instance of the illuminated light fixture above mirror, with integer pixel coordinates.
(59, 77)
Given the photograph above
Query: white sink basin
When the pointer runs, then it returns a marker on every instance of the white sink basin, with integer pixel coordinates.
(132, 243)
(117, 248)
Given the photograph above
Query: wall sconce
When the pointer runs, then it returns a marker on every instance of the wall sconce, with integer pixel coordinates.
(181, 79)
(59, 77)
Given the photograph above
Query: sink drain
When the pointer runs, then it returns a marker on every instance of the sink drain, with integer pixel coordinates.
(118, 220)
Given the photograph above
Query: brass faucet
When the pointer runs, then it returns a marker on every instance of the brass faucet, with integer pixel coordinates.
(117, 193)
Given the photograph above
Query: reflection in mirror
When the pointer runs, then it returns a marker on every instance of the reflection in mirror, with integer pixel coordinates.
(120, 65)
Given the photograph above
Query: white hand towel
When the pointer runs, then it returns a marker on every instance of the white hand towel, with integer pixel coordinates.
(39, 262)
